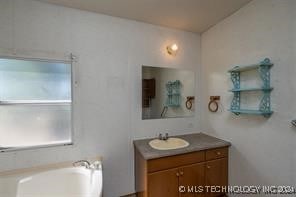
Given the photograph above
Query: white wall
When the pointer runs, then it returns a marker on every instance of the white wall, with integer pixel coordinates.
(107, 106)
(263, 150)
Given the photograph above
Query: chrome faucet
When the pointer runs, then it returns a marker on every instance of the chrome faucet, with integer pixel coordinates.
(166, 137)
(84, 163)
(160, 136)
(294, 122)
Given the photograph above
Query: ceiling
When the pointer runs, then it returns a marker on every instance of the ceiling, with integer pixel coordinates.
(189, 15)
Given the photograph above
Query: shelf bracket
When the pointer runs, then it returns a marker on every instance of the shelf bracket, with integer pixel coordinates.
(265, 103)
(264, 71)
(235, 104)
(235, 78)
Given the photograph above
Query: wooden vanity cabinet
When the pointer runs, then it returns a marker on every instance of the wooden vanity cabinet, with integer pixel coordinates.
(162, 177)
(163, 183)
(216, 174)
(192, 175)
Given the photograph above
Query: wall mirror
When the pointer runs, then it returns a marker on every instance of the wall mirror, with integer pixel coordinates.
(167, 93)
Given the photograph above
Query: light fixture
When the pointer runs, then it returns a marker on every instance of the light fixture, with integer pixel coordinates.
(172, 49)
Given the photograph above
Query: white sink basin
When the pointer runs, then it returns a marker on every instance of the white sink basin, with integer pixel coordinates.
(170, 144)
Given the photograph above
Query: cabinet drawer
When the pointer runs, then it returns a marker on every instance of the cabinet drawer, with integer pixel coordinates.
(216, 153)
(175, 161)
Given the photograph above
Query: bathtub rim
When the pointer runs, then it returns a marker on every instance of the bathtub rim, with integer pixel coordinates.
(46, 167)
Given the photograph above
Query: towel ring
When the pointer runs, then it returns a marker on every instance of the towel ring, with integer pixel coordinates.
(213, 105)
(189, 103)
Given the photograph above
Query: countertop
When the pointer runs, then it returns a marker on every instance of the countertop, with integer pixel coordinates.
(197, 142)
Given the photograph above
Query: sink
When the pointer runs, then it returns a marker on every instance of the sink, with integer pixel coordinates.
(169, 144)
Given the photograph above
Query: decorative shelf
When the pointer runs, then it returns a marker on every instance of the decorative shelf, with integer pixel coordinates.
(251, 89)
(265, 63)
(248, 111)
(173, 93)
(264, 71)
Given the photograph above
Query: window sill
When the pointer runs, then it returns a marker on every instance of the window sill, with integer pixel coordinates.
(20, 148)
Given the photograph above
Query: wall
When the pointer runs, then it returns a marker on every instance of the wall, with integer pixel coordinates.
(107, 97)
(263, 150)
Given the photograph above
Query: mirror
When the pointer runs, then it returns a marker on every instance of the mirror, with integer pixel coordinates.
(167, 93)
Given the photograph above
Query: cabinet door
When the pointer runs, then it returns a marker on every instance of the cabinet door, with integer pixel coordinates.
(163, 183)
(192, 178)
(216, 174)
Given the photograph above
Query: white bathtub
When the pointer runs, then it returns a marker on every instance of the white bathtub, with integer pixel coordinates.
(64, 182)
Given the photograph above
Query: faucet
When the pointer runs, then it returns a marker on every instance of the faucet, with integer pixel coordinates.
(84, 163)
(166, 137)
(294, 122)
(97, 165)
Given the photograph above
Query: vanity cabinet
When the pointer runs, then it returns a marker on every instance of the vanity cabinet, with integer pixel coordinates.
(216, 174)
(167, 182)
(162, 177)
(164, 183)
(192, 175)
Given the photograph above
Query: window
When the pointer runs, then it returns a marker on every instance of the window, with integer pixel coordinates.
(35, 103)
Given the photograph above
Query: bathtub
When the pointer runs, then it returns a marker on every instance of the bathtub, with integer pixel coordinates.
(63, 182)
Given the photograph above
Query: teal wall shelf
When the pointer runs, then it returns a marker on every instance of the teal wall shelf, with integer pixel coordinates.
(265, 103)
(254, 112)
(266, 62)
(251, 89)
(173, 93)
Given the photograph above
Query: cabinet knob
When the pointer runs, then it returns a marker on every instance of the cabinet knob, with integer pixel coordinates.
(218, 153)
(208, 167)
(177, 174)
(181, 173)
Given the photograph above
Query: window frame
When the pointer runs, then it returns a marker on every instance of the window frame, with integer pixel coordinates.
(71, 143)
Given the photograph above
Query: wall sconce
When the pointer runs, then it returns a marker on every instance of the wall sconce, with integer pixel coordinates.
(172, 49)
